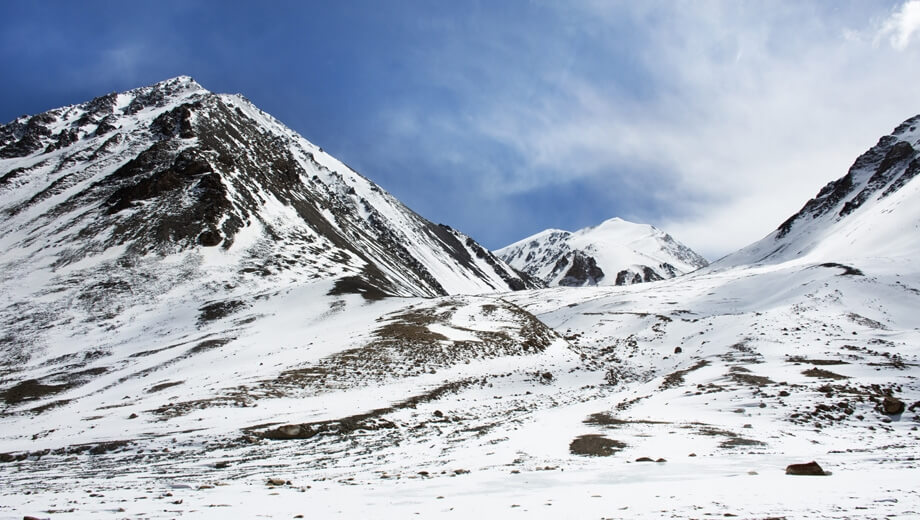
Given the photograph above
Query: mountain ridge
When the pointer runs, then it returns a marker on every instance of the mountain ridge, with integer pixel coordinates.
(867, 211)
(174, 167)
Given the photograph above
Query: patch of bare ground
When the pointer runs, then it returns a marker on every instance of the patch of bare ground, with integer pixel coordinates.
(732, 439)
(823, 374)
(817, 362)
(402, 346)
(595, 446)
(606, 419)
(675, 379)
(743, 376)
(372, 420)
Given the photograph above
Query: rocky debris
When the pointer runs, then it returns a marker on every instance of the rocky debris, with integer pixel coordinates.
(809, 468)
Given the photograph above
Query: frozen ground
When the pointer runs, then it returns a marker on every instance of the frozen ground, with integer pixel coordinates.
(466, 405)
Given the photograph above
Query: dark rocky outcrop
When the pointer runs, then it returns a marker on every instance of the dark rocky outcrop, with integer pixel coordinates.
(880, 171)
(809, 468)
(891, 406)
(582, 271)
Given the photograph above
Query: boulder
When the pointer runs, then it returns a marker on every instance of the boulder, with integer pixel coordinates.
(810, 468)
(892, 406)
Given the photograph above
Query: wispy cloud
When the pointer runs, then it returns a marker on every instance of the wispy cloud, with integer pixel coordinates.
(902, 25)
(717, 119)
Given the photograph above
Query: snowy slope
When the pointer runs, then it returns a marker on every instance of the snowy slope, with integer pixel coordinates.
(616, 252)
(870, 211)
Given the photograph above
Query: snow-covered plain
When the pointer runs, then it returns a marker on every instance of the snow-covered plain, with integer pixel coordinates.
(745, 397)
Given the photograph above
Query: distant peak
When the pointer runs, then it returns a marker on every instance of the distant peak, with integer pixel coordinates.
(618, 223)
(180, 80)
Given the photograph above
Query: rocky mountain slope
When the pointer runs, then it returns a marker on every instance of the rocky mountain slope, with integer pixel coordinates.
(872, 210)
(616, 252)
(172, 192)
(173, 169)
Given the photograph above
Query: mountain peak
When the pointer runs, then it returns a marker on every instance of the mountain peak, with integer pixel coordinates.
(171, 170)
(615, 252)
(182, 82)
(866, 212)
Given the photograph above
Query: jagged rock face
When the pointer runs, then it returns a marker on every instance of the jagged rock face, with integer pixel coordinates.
(582, 271)
(636, 253)
(854, 214)
(123, 198)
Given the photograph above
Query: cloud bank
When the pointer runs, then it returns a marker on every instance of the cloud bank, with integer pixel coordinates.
(715, 121)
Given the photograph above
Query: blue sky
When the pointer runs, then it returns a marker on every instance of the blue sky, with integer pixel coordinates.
(712, 120)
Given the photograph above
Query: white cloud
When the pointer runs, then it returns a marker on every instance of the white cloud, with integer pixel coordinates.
(733, 114)
(902, 25)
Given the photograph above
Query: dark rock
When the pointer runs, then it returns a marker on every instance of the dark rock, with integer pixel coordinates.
(64, 139)
(583, 271)
(209, 238)
(106, 447)
(645, 459)
(678, 350)
(105, 126)
(892, 406)
(274, 481)
(218, 310)
(649, 275)
(847, 270)
(810, 468)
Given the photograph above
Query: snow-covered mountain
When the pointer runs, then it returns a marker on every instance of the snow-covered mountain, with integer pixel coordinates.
(147, 372)
(616, 252)
(129, 195)
(870, 211)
